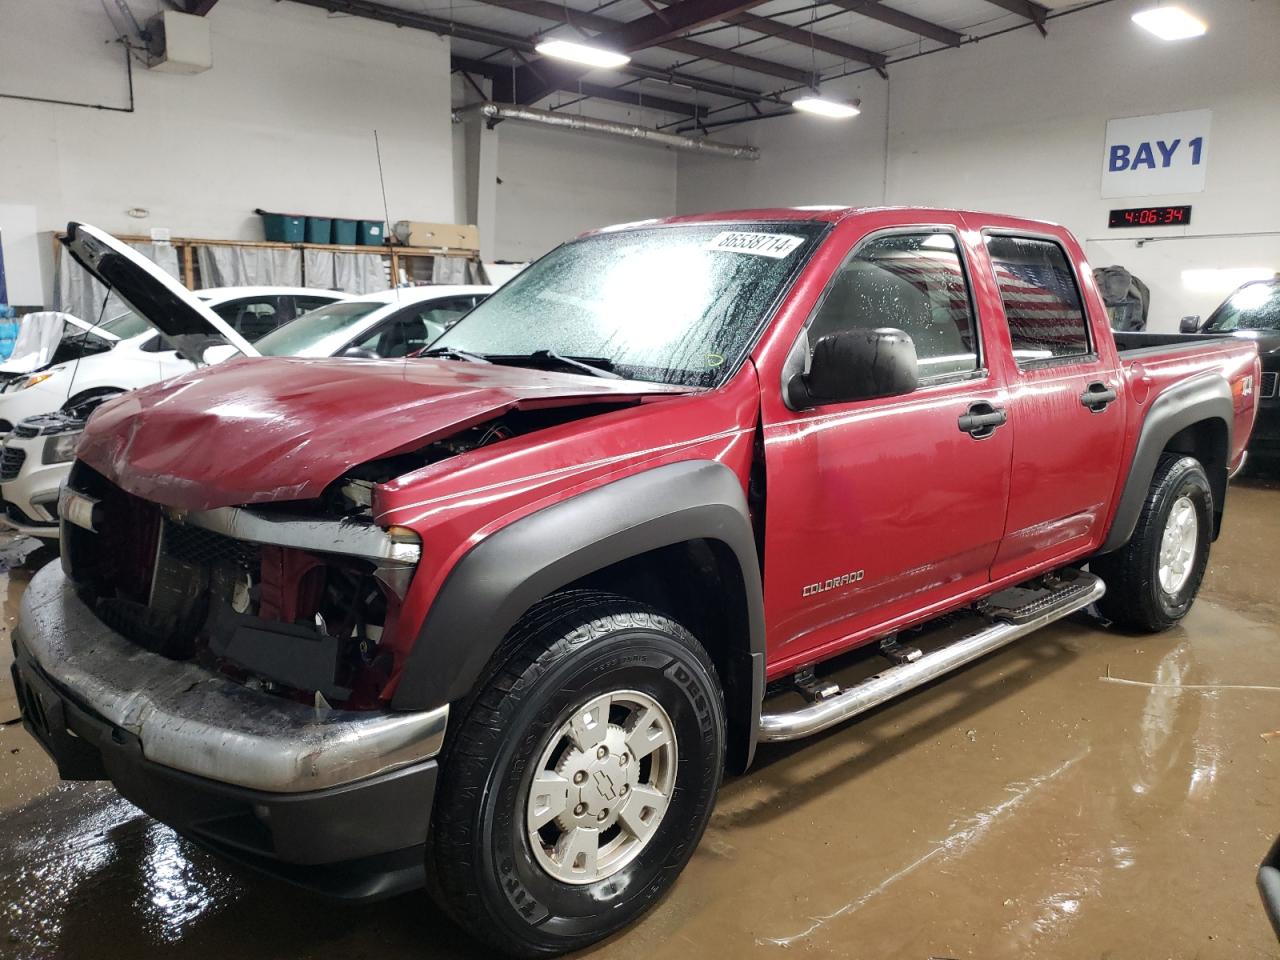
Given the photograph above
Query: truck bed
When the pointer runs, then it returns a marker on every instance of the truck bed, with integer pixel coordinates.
(1134, 342)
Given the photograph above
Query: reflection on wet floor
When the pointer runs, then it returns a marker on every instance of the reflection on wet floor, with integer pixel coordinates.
(1024, 807)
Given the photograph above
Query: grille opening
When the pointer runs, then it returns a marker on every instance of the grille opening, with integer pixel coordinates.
(281, 620)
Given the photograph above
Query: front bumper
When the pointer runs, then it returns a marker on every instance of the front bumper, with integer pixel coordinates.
(31, 498)
(1265, 438)
(280, 785)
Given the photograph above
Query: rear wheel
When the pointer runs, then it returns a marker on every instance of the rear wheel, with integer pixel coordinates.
(1153, 579)
(580, 778)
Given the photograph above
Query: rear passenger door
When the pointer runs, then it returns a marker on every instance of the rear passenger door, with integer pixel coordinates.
(1068, 429)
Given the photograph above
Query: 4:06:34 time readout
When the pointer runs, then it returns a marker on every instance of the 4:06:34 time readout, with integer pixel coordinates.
(1150, 217)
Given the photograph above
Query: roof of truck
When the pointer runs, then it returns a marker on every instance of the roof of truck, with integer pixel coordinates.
(824, 214)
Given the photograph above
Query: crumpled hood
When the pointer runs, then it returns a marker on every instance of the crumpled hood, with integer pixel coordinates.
(252, 431)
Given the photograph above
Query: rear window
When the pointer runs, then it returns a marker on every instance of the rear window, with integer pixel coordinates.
(1041, 300)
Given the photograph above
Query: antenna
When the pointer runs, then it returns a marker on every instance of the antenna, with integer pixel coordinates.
(84, 336)
(386, 212)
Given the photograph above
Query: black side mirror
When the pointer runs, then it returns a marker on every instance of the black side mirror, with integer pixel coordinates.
(856, 365)
(359, 353)
(1189, 324)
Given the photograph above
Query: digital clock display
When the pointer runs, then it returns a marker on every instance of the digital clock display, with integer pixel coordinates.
(1150, 217)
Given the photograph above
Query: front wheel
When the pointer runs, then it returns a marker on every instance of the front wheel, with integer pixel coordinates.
(581, 777)
(1153, 579)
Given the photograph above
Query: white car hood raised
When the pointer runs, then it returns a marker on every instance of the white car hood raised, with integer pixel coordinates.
(187, 323)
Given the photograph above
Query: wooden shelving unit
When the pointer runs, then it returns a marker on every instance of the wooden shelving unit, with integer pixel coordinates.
(186, 247)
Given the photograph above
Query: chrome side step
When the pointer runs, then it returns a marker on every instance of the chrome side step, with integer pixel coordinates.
(861, 697)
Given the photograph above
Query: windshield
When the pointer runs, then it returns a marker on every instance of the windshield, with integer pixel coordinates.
(678, 304)
(125, 325)
(320, 333)
(1255, 306)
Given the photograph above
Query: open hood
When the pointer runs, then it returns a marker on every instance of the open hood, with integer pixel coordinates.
(189, 325)
(284, 428)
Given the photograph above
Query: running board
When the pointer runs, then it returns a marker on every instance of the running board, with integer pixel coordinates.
(837, 707)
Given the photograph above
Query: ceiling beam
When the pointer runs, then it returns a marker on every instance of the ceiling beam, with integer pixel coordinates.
(559, 13)
(496, 38)
(874, 10)
(807, 38)
(536, 80)
(1025, 8)
(679, 18)
(500, 74)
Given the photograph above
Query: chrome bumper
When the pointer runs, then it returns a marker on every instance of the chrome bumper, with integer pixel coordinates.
(199, 722)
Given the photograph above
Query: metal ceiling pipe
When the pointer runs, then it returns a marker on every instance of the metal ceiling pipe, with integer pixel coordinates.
(508, 111)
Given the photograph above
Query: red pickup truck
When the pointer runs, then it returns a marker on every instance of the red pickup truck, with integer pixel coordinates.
(496, 619)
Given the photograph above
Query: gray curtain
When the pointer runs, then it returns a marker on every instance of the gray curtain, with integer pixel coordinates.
(249, 266)
(455, 270)
(358, 273)
(317, 269)
(77, 293)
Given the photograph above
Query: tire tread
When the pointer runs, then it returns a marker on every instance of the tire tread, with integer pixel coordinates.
(546, 634)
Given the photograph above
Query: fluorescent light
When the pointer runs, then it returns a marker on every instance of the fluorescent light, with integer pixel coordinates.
(583, 53)
(836, 109)
(1170, 23)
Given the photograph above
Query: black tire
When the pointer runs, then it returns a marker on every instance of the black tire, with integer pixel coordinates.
(570, 648)
(1135, 598)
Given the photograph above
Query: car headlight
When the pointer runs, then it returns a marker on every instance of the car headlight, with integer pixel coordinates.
(61, 448)
(35, 378)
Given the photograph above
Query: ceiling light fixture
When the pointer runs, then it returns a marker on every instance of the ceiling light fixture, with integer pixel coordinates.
(583, 53)
(823, 107)
(1170, 23)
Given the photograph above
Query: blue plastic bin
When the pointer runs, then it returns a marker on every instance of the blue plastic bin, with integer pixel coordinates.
(319, 230)
(344, 231)
(283, 227)
(372, 233)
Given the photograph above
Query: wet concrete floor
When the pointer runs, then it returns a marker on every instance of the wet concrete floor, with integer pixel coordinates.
(1027, 806)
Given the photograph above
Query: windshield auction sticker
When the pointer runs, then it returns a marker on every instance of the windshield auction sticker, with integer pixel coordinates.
(774, 245)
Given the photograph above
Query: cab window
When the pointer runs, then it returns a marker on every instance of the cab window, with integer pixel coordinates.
(914, 282)
(1041, 300)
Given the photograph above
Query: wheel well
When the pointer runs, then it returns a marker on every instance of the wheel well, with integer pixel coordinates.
(698, 583)
(1207, 441)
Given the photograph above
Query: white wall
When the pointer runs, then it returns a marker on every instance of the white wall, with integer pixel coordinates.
(804, 160)
(1016, 124)
(555, 183)
(284, 121)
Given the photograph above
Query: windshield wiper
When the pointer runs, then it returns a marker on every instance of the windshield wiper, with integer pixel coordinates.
(596, 367)
(444, 352)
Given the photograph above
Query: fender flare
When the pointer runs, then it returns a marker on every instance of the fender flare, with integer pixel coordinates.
(505, 574)
(1206, 397)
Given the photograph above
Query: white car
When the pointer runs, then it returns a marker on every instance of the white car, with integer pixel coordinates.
(36, 457)
(393, 323)
(44, 405)
(133, 355)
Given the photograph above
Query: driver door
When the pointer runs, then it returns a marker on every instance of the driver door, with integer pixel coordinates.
(879, 509)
